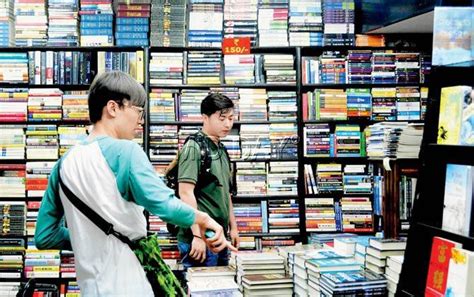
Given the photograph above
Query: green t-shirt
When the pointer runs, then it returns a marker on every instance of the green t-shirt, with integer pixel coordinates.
(213, 199)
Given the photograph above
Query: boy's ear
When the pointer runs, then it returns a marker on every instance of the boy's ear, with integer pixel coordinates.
(110, 109)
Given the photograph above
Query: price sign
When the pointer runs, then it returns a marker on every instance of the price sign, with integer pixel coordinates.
(236, 46)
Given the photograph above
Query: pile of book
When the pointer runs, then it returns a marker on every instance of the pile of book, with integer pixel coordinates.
(212, 281)
(168, 23)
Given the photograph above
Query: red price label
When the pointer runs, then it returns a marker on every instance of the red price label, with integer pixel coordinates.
(236, 46)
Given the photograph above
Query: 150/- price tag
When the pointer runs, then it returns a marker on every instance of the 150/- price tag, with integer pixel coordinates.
(236, 46)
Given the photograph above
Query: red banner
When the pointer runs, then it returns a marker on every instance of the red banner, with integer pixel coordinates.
(236, 46)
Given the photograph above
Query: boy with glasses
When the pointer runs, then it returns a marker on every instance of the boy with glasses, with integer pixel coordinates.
(112, 175)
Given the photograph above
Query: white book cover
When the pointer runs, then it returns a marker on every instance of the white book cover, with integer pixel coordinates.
(457, 199)
(460, 273)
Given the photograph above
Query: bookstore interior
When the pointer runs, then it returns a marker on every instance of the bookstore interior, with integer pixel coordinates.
(351, 148)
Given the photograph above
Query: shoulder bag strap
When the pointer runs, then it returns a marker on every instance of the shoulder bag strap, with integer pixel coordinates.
(93, 216)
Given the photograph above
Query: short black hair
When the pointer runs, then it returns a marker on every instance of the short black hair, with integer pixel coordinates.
(117, 86)
(216, 102)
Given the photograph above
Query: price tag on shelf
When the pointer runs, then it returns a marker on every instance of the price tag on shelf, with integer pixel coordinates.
(236, 46)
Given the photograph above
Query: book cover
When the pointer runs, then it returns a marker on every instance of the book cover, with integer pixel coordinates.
(453, 35)
(455, 101)
(441, 250)
(460, 273)
(458, 199)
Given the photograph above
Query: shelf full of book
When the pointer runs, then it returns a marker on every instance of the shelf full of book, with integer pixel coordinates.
(267, 139)
(442, 226)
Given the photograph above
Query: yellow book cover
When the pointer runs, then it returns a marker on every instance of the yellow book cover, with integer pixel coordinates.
(453, 101)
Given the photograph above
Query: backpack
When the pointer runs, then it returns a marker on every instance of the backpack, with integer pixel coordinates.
(205, 177)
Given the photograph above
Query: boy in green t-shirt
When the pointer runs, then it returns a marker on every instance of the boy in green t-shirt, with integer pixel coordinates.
(214, 199)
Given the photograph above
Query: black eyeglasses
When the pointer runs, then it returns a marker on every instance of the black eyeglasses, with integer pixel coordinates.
(141, 111)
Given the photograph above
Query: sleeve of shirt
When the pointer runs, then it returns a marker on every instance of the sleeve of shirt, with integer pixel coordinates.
(150, 191)
(51, 232)
(189, 163)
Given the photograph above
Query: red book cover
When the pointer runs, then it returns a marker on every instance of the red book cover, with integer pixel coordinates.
(439, 264)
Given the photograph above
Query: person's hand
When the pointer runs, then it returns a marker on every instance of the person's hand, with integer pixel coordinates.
(218, 242)
(198, 250)
(234, 237)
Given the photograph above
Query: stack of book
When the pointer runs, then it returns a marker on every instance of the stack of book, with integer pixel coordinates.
(317, 140)
(384, 106)
(282, 178)
(239, 69)
(12, 180)
(357, 215)
(310, 73)
(45, 105)
(359, 66)
(379, 249)
(184, 132)
(333, 68)
(425, 68)
(329, 178)
(212, 281)
(258, 263)
(7, 23)
(63, 19)
(31, 23)
(14, 67)
(255, 141)
(203, 68)
(166, 69)
(240, 20)
(13, 104)
(306, 23)
(163, 142)
(356, 180)
(359, 103)
(12, 142)
(96, 25)
(42, 142)
(348, 141)
(282, 106)
(248, 217)
(232, 144)
(67, 268)
(205, 23)
(13, 218)
(75, 106)
(330, 104)
(283, 137)
(70, 136)
(162, 105)
(383, 68)
(359, 283)
(279, 69)
(32, 215)
(251, 179)
(267, 284)
(253, 104)
(407, 68)
(132, 22)
(283, 216)
(42, 264)
(168, 23)
(12, 251)
(37, 174)
(409, 143)
(320, 215)
(189, 105)
(408, 104)
(393, 270)
(339, 19)
(273, 23)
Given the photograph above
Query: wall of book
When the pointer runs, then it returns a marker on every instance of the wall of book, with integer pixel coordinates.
(342, 124)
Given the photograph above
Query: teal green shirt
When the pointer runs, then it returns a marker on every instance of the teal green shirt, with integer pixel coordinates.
(136, 180)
